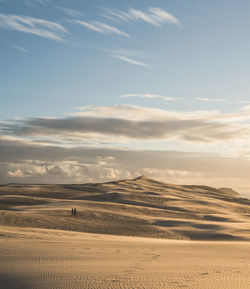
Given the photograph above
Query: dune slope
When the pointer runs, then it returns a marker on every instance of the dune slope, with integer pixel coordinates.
(137, 207)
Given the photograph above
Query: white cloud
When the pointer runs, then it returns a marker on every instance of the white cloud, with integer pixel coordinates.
(129, 60)
(154, 16)
(210, 99)
(101, 27)
(129, 56)
(134, 112)
(145, 95)
(129, 112)
(17, 173)
(243, 101)
(161, 16)
(246, 108)
(40, 27)
(20, 48)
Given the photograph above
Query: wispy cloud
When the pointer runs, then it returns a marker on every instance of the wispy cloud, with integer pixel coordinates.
(129, 60)
(153, 15)
(243, 101)
(20, 48)
(40, 27)
(71, 12)
(129, 56)
(143, 95)
(101, 27)
(210, 99)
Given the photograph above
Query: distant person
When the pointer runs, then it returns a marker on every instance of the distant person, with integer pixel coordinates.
(72, 211)
(75, 212)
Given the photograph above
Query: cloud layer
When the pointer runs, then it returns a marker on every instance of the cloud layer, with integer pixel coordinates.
(22, 161)
(87, 146)
(136, 123)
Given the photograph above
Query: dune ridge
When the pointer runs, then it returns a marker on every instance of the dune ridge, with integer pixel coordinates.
(131, 207)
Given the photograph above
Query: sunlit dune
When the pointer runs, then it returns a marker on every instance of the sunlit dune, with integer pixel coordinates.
(137, 233)
(138, 207)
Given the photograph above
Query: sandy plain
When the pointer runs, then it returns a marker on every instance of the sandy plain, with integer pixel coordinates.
(136, 233)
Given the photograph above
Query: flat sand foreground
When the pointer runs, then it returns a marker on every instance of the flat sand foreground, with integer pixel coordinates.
(42, 258)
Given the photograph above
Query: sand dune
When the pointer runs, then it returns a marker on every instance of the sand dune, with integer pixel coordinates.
(43, 246)
(138, 207)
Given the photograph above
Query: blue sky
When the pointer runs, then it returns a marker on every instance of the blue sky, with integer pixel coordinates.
(206, 56)
(148, 65)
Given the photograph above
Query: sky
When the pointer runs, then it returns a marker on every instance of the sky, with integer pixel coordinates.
(94, 91)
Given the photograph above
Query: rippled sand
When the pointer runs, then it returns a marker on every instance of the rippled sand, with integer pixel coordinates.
(40, 258)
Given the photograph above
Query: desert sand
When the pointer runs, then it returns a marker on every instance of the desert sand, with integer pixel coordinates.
(137, 233)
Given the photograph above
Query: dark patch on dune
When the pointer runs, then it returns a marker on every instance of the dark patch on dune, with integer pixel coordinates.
(211, 236)
(171, 223)
(151, 193)
(11, 281)
(217, 218)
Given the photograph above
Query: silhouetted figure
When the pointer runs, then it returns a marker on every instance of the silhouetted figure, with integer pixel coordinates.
(75, 212)
(72, 211)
